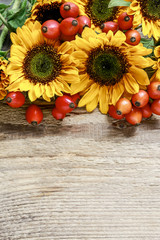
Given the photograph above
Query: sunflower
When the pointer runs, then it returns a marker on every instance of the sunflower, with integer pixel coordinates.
(147, 13)
(98, 11)
(40, 66)
(108, 68)
(4, 81)
(44, 10)
(156, 67)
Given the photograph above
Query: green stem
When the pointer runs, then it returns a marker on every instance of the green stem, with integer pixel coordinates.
(3, 36)
(5, 22)
(138, 26)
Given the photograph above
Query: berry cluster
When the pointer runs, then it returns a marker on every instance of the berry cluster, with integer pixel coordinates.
(142, 105)
(34, 115)
(124, 23)
(70, 24)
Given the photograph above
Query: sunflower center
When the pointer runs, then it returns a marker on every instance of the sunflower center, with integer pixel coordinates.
(48, 11)
(99, 12)
(42, 64)
(106, 66)
(150, 9)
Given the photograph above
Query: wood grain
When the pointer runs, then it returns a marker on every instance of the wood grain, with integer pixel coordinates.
(81, 178)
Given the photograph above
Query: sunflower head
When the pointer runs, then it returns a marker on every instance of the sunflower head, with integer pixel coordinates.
(45, 10)
(108, 68)
(147, 13)
(98, 11)
(4, 81)
(40, 66)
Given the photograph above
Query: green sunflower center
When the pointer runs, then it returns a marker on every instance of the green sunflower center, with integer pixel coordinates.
(47, 12)
(42, 64)
(150, 9)
(99, 12)
(106, 66)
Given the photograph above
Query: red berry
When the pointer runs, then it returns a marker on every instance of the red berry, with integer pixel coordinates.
(134, 116)
(75, 98)
(123, 106)
(50, 29)
(113, 26)
(64, 104)
(154, 90)
(69, 9)
(34, 114)
(146, 111)
(15, 99)
(113, 112)
(133, 37)
(155, 107)
(125, 21)
(58, 115)
(66, 37)
(69, 26)
(140, 99)
(83, 21)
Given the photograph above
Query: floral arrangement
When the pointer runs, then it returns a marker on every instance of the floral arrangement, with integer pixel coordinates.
(92, 53)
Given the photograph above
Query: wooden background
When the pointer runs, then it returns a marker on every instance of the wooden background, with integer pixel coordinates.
(83, 178)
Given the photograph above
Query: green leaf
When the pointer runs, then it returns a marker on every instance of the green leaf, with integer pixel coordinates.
(3, 7)
(16, 18)
(148, 43)
(3, 53)
(117, 3)
(29, 6)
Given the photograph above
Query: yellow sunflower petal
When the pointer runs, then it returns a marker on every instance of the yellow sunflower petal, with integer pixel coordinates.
(139, 75)
(46, 97)
(157, 51)
(130, 84)
(90, 95)
(118, 90)
(92, 105)
(25, 85)
(65, 47)
(103, 100)
(31, 94)
(87, 33)
(83, 84)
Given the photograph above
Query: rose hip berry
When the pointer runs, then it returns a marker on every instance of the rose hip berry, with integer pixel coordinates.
(69, 9)
(66, 37)
(83, 21)
(146, 111)
(75, 98)
(34, 114)
(125, 21)
(134, 116)
(123, 106)
(155, 107)
(15, 99)
(113, 113)
(69, 26)
(50, 29)
(133, 37)
(154, 90)
(64, 104)
(58, 115)
(140, 99)
(106, 26)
